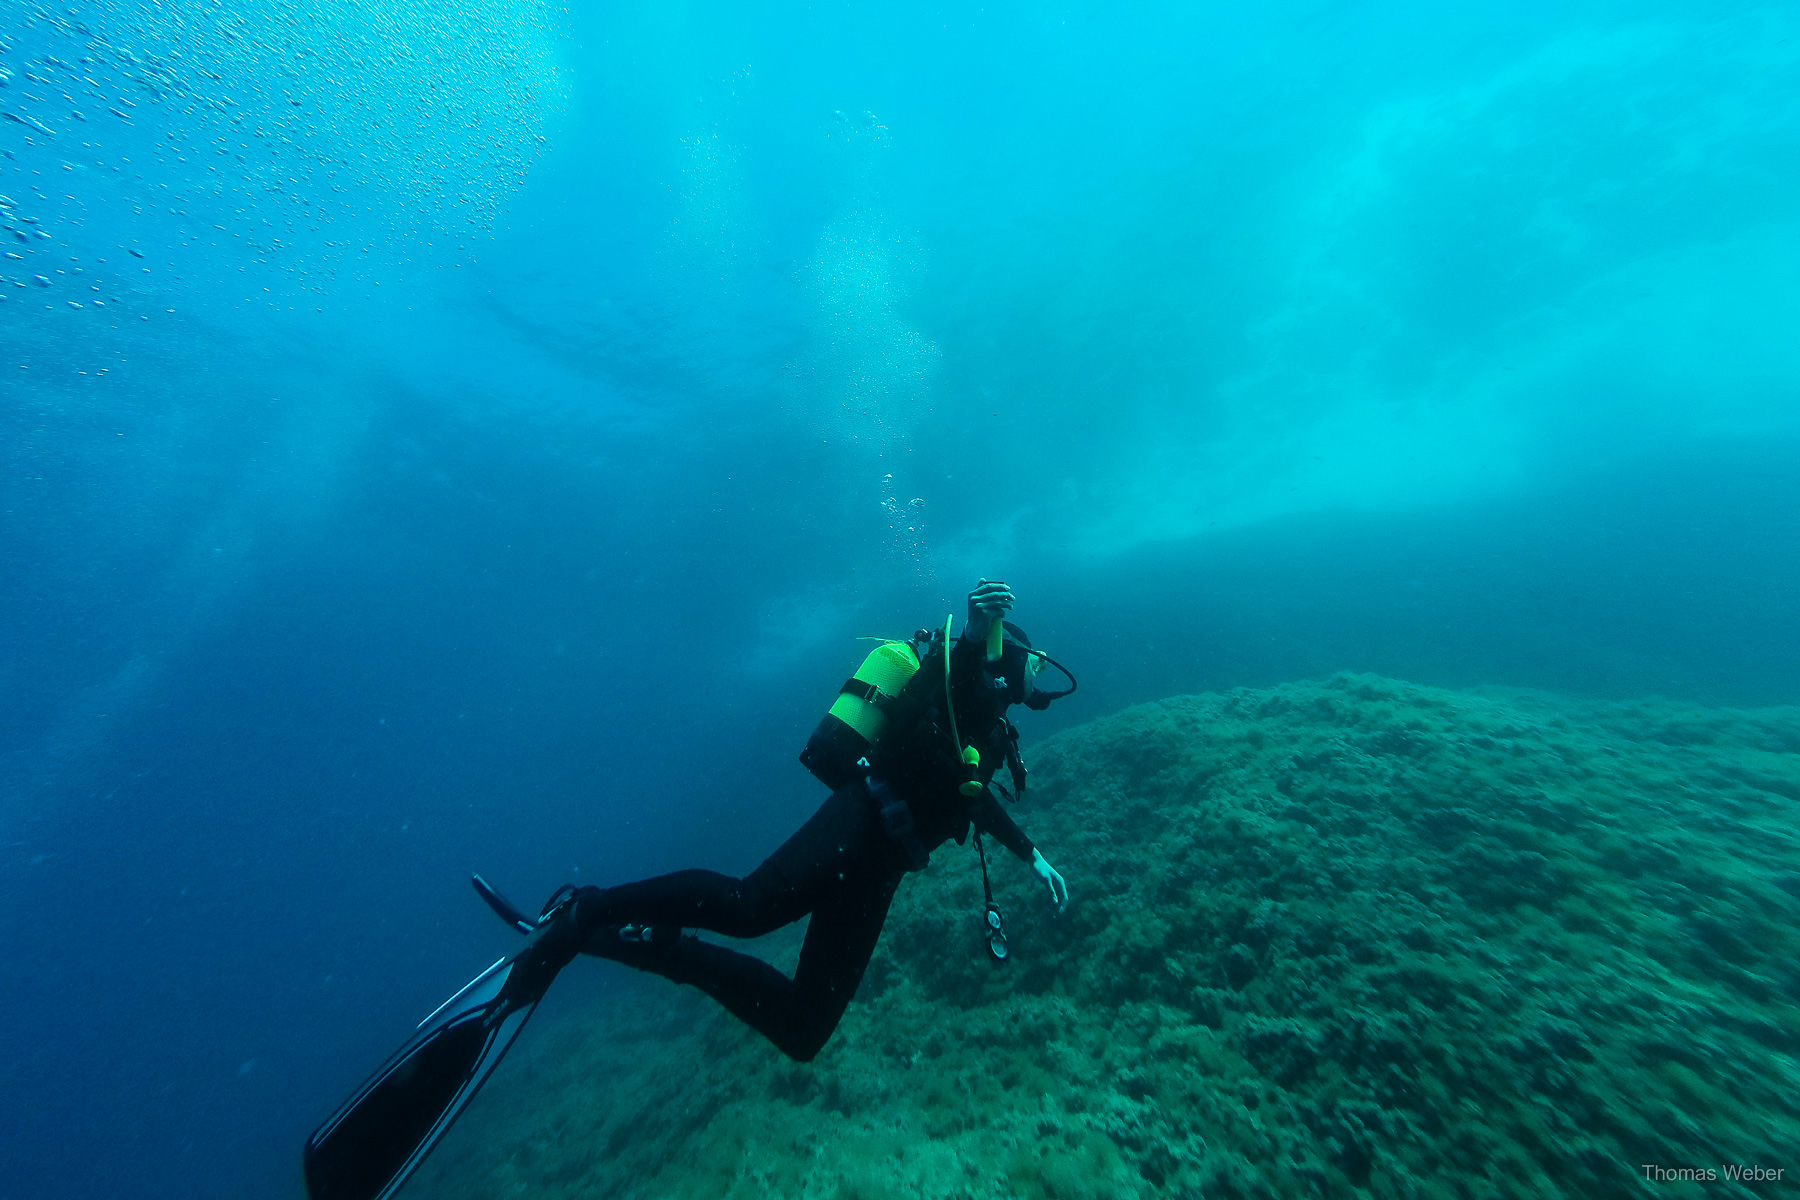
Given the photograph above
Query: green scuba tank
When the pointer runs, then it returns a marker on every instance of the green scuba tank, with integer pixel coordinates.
(859, 715)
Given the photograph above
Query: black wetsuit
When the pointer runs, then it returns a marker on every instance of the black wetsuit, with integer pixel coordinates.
(841, 866)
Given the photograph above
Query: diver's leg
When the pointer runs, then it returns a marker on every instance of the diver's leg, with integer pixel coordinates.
(797, 1014)
(783, 889)
(840, 866)
(694, 899)
(840, 940)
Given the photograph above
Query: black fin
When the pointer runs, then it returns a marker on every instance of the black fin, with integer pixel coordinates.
(384, 1131)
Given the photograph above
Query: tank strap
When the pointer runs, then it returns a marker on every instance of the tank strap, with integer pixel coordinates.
(862, 689)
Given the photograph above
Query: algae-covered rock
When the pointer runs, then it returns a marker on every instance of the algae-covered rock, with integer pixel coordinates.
(1332, 937)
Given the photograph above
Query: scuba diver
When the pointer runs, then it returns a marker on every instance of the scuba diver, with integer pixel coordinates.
(909, 748)
(896, 797)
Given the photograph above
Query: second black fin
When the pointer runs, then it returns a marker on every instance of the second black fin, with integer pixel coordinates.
(509, 912)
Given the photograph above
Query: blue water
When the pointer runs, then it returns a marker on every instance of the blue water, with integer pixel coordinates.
(486, 426)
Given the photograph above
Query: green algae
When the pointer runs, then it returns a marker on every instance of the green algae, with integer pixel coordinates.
(1336, 938)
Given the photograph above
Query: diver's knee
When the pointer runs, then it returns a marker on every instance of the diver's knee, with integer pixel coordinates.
(807, 1036)
(805, 1045)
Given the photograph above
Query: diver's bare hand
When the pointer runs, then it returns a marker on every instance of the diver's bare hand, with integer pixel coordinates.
(990, 601)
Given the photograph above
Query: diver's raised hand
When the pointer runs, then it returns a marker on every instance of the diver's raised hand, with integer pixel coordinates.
(1059, 891)
(989, 602)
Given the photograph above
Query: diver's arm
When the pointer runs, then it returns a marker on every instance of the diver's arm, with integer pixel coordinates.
(989, 602)
(998, 824)
(990, 818)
